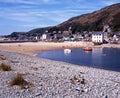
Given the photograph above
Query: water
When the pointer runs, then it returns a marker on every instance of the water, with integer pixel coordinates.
(105, 58)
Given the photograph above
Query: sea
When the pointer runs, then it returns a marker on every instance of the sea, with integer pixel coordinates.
(103, 58)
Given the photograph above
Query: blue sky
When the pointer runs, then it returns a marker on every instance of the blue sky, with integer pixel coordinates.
(24, 15)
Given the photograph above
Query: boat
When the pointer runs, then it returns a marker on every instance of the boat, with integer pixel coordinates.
(67, 50)
(87, 49)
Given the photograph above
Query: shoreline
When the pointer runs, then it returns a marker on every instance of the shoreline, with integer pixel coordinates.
(86, 66)
(53, 79)
(30, 48)
(24, 48)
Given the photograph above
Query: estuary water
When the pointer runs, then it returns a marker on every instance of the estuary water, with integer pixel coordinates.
(104, 58)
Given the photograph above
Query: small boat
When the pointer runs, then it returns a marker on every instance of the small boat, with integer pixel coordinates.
(87, 49)
(67, 50)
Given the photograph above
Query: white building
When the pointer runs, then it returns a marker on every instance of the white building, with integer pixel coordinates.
(44, 37)
(97, 37)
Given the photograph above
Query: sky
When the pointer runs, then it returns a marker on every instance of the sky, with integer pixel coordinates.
(25, 15)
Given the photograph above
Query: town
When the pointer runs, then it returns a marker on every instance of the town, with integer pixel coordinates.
(60, 49)
(97, 37)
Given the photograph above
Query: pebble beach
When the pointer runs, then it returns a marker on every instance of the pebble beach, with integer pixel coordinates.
(53, 79)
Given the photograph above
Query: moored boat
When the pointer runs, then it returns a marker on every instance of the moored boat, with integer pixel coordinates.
(67, 50)
(87, 49)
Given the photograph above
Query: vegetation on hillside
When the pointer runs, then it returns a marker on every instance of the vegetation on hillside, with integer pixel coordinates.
(116, 22)
(87, 22)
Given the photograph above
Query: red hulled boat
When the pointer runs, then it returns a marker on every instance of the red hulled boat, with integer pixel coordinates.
(87, 49)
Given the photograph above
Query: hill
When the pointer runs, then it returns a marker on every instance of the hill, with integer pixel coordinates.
(87, 22)
(96, 20)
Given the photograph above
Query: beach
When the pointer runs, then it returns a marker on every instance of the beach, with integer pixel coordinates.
(53, 79)
(30, 48)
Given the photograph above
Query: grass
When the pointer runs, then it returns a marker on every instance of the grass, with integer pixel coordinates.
(75, 80)
(14, 61)
(82, 81)
(5, 67)
(19, 81)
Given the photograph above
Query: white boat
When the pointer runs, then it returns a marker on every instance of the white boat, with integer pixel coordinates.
(67, 50)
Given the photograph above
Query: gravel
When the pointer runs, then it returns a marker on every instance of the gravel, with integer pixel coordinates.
(53, 79)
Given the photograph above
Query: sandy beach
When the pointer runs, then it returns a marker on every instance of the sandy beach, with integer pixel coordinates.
(30, 47)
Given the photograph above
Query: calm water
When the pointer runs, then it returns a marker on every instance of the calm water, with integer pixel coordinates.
(105, 58)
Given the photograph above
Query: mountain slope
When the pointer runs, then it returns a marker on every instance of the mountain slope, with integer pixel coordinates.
(87, 22)
(96, 20)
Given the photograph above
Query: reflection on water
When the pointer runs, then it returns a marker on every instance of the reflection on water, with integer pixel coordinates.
(97, 56)
(106, 58)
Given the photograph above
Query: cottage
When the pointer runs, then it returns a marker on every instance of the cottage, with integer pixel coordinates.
(97, 37)
(2, 38)
(45, 37)
(58, 36)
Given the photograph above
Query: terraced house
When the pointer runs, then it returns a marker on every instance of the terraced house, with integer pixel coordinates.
(97, 37)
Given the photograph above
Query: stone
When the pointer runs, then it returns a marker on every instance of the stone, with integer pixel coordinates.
(78, 88)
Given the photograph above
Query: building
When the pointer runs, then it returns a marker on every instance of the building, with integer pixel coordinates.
(107, 30)
(58, 36)
(97, 37)
(67, 34)
(45, 37)
(2, 38)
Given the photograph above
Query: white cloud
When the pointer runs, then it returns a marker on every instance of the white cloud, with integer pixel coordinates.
(31, 25)
(58, 16)
(110, 2)
(19, 14)
(37, 15)
(25, 7)
(18, 1)
(32, 2)
(46, 1)
(51, 1)
(41, 13)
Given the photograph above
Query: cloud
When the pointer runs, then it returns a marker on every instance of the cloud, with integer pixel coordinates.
(31, 15)
(41, 13)
(110, 2)
(18, 1)
(51, 1)
(19, 16)
(58, 16)
(46, 1)
(30, 25)
(25, 7)
(23, 17)
(30, 2)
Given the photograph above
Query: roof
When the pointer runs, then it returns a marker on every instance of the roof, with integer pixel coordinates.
(66, 33)
(97, 33)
